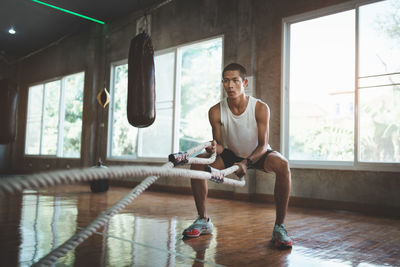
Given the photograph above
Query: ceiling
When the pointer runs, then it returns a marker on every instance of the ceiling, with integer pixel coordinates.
(37, 25)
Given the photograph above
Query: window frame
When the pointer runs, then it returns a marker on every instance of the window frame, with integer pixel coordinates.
(175, 100)
(285, 92)
(61, 118)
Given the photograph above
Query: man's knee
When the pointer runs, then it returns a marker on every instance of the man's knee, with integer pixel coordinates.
(284, 167)
(277, 163)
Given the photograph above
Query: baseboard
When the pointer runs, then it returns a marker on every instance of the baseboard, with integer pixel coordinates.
(367, 209)
(363, 208)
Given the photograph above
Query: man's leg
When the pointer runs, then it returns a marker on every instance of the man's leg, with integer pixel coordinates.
(276, 163)
(202, 225)
(200, 188)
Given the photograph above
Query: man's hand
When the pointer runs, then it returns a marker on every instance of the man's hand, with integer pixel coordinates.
(213, 148)
(242, 168)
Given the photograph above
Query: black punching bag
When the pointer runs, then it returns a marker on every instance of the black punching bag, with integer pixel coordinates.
(8, 111)
(141, 106)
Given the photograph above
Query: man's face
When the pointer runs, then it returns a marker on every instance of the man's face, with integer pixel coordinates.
(233, 84)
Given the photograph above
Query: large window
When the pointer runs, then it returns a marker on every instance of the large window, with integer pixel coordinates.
(341, 86)
(54, 121)
(187, 85)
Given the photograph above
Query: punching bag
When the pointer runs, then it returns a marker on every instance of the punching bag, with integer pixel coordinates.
(8, 111)
(141, 106)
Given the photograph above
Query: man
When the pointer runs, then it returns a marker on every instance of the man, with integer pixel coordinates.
(244, 123)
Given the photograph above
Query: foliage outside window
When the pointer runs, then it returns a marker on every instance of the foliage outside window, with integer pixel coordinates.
(187, 85)
(342, 86)
(54, 119)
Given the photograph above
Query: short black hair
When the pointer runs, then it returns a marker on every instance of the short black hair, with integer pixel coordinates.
(235, 66)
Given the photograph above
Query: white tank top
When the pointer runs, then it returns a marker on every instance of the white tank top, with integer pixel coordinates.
(240, 131)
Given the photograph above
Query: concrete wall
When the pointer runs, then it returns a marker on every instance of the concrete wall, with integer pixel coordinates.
(252, 33)
(7, 71)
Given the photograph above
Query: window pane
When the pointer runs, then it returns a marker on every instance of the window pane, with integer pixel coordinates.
(321, 100)
(157, 138)
(165, 66)
(380, 124)
(124, 136)
(33, 123)
(380, 96)
(200, 89)
(73, 115)
(50, 118)
(380, 38)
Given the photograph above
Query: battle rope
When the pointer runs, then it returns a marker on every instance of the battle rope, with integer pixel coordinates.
(12, 185)
(17, 184)
(104, 217)
(100, 221)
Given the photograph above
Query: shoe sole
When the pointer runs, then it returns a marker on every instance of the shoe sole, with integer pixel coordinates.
(205, 232)
(280, 244)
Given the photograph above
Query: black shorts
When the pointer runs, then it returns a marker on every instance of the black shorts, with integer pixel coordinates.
(230, 158)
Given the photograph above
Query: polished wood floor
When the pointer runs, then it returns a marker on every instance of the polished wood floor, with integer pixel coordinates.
(148, 232)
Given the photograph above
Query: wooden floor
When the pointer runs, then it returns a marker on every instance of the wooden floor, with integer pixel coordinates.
(148, 232)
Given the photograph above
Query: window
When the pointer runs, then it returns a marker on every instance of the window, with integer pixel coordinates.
(341, 87)
(54, 120)
(187, 85)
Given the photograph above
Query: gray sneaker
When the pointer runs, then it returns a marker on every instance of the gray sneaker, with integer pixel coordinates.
(280, 237)
(199, 227)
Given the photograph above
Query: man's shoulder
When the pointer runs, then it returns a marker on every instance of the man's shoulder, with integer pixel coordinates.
(215, 108)
(260, 104)
(261, 109)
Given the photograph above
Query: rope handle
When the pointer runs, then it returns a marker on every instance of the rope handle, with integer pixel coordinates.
(218, 176)
(182, 158)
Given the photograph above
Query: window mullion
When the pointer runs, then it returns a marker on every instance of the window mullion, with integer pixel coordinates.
(60, 143)
(173, 146)
(177, 99)
(42, 118)
(356, 91)
(111, 113)
(285, 104)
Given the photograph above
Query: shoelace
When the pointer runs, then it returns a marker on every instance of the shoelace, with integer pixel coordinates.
(282, 228)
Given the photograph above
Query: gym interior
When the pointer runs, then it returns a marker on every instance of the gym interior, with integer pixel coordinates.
(327, 69)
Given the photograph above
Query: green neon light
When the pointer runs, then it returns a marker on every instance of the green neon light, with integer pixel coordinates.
(70, 12)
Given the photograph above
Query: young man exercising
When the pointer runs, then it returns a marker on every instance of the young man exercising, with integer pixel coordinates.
(244, 122)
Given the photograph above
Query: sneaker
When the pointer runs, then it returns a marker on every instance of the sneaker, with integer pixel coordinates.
(199, 227)
(280, 237)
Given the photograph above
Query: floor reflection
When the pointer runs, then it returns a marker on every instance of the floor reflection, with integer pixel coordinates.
(46, 222)
(148, 233)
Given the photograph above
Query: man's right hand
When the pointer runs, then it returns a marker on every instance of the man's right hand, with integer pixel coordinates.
(213, 148)
(242, 168)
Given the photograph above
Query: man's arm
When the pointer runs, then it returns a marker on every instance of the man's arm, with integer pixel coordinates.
(262, 117)
(214, 116)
